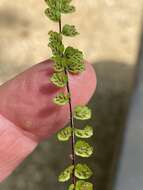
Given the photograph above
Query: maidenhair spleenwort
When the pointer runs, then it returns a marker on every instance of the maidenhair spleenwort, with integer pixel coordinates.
(69, 60)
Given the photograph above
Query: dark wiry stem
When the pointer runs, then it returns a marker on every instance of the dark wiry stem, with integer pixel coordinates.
(71, 119)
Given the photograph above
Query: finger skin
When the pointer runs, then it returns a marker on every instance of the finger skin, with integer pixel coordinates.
(28, 114)
(27, 100)
(14, 147)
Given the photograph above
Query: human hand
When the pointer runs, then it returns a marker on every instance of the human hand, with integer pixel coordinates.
(26, 102)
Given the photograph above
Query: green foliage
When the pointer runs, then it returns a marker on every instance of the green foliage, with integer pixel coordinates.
(71, 187)
(75, 61)
(82, 113)
(56, 7)
(82, 185)
(72, 59)
(53, 14)
(55, 43)
(69, 60)
(69, 30)
(61, 99)
(59, 63)
(83, 149)
(74, 54)
(59, 79)
(87, 132)
(66, 174)
(66, 7)
(64, 134)
(53, 4)
(82, 171)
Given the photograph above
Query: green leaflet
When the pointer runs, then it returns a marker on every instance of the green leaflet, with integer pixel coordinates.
(82, 171)
(56, 43)
(87, 132)
(71, 187)
(66, 174)
(55, 37)
(75, 68)
(59, 79)
(72, 61)
(75, 54)
(69, 30)
(63, 6)
(82, 113)
(83, 149)
(75, 60)
(54, 4)
(83, 185)
(61, 99)
(53, 14)
(64, 134)
(59, 63)
(66, 7)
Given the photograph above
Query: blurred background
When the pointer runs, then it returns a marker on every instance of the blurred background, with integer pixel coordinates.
(110, 37)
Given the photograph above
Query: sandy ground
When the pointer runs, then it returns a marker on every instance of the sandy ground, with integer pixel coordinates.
(109, 31)
(110, 38)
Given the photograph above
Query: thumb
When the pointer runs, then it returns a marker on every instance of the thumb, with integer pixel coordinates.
(27, 100)
(28, 114)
